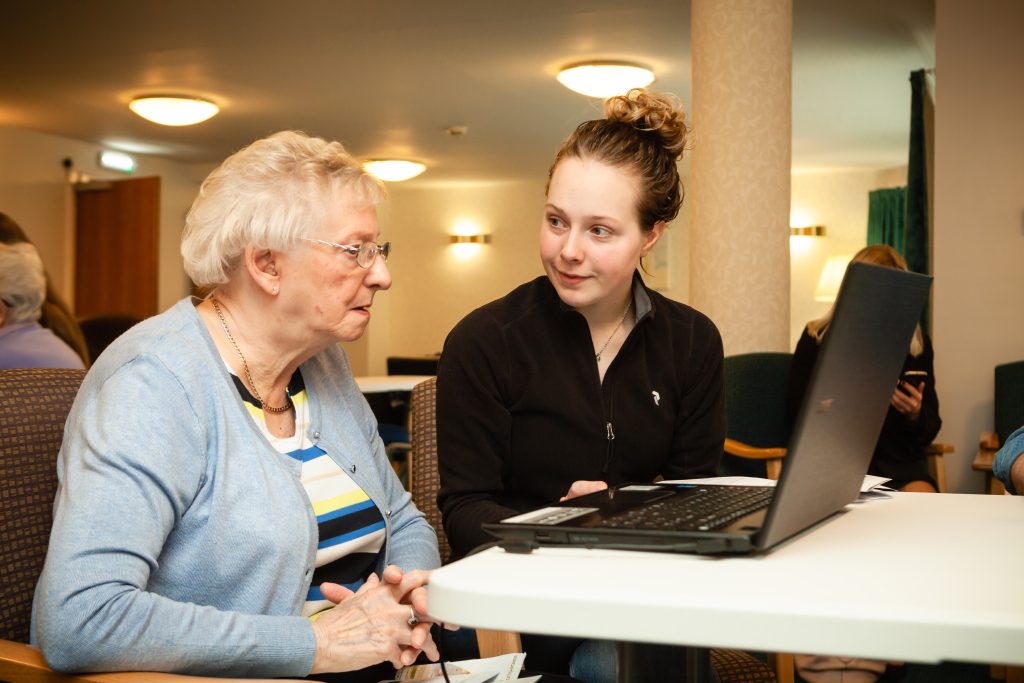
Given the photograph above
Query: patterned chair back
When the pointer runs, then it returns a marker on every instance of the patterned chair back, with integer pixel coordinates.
(34, 405)
(424, 480)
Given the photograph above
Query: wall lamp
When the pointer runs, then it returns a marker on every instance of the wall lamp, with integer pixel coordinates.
(808, 231)
(470, 239)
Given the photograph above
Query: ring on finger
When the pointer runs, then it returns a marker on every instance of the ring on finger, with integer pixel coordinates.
(412, 617)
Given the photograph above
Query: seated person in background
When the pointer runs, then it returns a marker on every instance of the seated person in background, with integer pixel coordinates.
(55, 314)
(222, 487)
(1008, 466)
(583, 378)
(913, 418)
(24, 343)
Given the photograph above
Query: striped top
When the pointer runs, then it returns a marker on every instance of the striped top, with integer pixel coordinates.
(351, 528)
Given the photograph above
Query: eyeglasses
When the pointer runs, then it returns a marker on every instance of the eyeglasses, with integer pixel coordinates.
(365, 253)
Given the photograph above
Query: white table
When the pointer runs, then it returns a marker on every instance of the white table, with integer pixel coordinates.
(921, 578)
(379, 384)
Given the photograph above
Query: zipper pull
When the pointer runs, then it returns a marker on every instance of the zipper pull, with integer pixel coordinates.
(608, 450)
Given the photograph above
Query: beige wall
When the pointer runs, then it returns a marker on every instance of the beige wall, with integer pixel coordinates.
(34, 191)
(979, 215)
(436, 283)
(839, 201)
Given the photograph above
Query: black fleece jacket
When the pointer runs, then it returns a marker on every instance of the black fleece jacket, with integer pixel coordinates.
(522, 412)
(900, 452)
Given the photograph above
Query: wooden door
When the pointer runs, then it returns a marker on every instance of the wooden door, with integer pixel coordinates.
(117, 227)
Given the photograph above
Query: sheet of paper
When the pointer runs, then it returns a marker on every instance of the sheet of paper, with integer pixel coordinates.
(420, 672)
(454, 678)
(496, 669)
(870, 481)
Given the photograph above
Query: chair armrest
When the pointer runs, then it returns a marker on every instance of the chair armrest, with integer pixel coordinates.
(738, 448)
(496, 643)
(772, 456)
(21, 662)
(989, 441)
(939, 448)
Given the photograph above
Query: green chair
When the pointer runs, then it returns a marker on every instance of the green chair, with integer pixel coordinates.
(1009, 415)
(755, 414)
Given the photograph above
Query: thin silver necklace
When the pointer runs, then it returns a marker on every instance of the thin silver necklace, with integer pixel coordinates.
(245, 366)
(609, 339)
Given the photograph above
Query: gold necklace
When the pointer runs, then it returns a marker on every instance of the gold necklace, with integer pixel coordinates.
(609, 339)
(245, 366)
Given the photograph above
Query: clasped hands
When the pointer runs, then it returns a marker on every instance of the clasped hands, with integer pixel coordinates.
(385, 620)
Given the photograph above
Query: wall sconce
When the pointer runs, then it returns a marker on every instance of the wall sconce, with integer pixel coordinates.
(831, 277)
(470, 239)
(808, 231)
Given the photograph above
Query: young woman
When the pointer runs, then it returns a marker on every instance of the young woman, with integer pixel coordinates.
(913, 419)
(584, 378)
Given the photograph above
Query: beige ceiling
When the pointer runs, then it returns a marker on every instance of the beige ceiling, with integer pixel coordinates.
(388, 78)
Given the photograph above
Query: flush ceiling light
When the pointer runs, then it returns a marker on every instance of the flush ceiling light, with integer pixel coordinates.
(605, 79)
(393, 170)
(173, 110)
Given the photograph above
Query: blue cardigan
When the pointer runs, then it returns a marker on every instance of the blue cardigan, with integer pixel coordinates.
(182, 541)
(1007, 455)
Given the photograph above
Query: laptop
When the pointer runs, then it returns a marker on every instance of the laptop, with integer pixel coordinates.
(829, 452)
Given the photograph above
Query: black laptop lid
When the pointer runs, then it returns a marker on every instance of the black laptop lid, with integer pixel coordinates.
(857, 369)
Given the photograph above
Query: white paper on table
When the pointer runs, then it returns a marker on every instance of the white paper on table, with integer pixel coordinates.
(869, 483)
(454, 678)
(496, 669)
(423, 672)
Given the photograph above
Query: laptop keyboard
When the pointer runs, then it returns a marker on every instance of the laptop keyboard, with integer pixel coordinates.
(705, 509)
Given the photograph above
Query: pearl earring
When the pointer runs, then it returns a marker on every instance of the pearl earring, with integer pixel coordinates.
(275, 289)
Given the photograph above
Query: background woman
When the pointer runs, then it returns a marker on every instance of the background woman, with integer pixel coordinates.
(220, 463)
(54, 314)
(913, 419)
(583, 378)
(24, 343)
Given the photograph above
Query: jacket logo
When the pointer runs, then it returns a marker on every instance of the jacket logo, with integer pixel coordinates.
(657, 398)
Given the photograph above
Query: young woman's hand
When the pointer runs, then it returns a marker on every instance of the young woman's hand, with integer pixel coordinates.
(582, 488)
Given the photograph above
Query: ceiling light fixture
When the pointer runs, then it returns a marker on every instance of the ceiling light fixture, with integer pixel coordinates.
(605, 78)
(393, 170)
(173, 110)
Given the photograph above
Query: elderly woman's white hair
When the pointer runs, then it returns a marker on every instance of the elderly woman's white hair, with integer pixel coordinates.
(269, 195)
(22, 282)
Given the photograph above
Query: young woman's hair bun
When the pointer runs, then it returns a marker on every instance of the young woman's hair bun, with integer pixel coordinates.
(660, 113)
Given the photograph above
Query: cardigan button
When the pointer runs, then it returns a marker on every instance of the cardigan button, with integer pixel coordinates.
(316, 436)
(353, 469)
(387, 513)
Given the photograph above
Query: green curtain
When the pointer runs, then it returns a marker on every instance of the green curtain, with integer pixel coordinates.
(915, 246)
(887, 217)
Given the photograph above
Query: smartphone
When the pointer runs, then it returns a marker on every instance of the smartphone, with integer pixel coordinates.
(914, 377)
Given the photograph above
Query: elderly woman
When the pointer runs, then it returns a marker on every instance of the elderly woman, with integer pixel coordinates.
(24, 343)
(54, 314)
(225, 506)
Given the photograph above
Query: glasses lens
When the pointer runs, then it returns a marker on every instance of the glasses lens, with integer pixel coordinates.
(368, 252)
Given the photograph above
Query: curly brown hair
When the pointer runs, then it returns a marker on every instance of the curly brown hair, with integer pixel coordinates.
(642, 131)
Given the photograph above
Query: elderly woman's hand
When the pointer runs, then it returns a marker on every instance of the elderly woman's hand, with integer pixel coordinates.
(374, 624)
